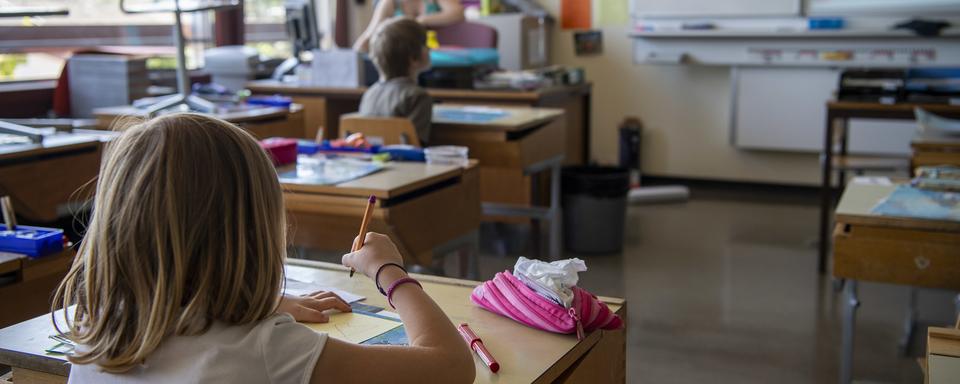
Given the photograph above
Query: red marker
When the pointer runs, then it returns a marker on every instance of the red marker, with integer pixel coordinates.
(477, 346)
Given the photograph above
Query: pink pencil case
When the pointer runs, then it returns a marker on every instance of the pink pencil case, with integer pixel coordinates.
(508, 296)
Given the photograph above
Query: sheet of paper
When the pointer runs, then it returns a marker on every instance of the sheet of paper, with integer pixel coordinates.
(907, 201)
(396, 336)
(354, 327)
(328, 171)
(299, 288)
(607, 13)
(337, 68)
(871, 180)
(537, 50)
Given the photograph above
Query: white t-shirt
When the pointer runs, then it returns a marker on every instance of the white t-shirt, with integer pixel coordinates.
(277, 350)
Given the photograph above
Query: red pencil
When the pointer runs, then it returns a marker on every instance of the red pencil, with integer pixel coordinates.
(363, 227)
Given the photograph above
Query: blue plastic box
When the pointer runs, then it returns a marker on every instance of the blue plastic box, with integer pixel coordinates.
(270, 101)
(31, 241)
(399, 153)
(828, 23)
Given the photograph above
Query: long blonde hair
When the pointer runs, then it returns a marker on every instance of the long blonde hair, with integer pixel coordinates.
(188, 228)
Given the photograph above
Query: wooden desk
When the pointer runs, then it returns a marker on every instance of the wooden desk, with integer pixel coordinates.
(526, 355)
(511, 151)
(935, 148)
(836, 131)
(419, 206)
(886, 249)
(942, 362)
(26, 285)
(40, 178)
(324, 106)
(261, 122)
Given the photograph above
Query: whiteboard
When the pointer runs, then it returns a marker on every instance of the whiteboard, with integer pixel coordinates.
(781, 109)
(883, 7)
(708, 8)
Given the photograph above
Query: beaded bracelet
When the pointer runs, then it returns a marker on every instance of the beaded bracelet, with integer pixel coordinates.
(396, 284)
(376, 278)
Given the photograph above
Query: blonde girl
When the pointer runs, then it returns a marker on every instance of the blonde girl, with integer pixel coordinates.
(178, 277)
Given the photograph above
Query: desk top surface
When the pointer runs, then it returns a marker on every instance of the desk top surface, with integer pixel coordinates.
(273, 86)
(859, 199)
(237, 116)
(395, 179)
(57, 143)
(10, 262)
(906, 109)
(513, 119)
(525, 354)
(930, 139)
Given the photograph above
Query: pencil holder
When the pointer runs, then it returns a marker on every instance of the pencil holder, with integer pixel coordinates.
(31, 241)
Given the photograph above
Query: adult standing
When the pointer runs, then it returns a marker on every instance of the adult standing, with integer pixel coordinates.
(429, 13)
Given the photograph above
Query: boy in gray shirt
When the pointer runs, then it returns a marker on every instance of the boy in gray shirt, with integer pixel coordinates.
(399, 51)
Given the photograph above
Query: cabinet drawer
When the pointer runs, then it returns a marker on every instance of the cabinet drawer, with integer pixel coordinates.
(897, 256)
(502, 149)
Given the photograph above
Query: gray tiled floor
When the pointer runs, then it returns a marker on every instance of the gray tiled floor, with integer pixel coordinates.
(724, 289)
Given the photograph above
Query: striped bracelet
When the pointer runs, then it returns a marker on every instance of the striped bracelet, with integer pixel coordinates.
(393, 286)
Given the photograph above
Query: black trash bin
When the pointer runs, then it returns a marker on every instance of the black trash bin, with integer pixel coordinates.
(594, 208)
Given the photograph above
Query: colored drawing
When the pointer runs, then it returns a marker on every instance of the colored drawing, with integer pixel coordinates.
(576, 14)
(354, 327)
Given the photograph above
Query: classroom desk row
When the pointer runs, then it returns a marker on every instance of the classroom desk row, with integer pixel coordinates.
(525, 355)
(427, 210)
(324, 106)
(887, 249)
(835, 152)
(43, 179)
(262, 122)
(510, 151)
(421, 207)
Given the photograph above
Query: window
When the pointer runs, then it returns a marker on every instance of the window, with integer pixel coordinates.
(264, 27)
(265, 30)
(34, 48)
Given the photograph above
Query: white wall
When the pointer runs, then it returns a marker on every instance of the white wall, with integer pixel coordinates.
(686, 112)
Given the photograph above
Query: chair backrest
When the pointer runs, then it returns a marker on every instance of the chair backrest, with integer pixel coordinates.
(467, 35)
(380, 130)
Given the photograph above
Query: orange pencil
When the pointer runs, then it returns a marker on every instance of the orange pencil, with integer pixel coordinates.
(363, 227)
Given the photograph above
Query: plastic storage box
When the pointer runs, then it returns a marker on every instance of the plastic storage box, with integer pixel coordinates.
(31, 241)
(283, 151)
(447, 155)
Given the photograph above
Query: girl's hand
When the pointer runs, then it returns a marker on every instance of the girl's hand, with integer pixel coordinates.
(310, 308)
(377, 250)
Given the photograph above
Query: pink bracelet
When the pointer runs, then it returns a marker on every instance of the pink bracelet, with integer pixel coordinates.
(393, 286)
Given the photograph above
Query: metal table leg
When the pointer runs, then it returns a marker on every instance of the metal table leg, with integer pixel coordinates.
(956, 309)
(850, 304)
(826, 159)
(551, 213)
(555, 252)
(909, 324)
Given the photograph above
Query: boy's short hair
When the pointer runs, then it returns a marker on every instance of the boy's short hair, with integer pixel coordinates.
(395, 43)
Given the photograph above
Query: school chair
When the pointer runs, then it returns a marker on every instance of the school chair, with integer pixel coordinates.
(467, 35)
(380, 130)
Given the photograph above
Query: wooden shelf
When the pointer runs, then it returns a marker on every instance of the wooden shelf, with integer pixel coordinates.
(766, 33)
(870, 163)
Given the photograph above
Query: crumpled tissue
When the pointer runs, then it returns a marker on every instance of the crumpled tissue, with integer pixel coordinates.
(551, 280)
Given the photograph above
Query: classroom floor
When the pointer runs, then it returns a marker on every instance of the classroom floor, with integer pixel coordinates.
(724, 289)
